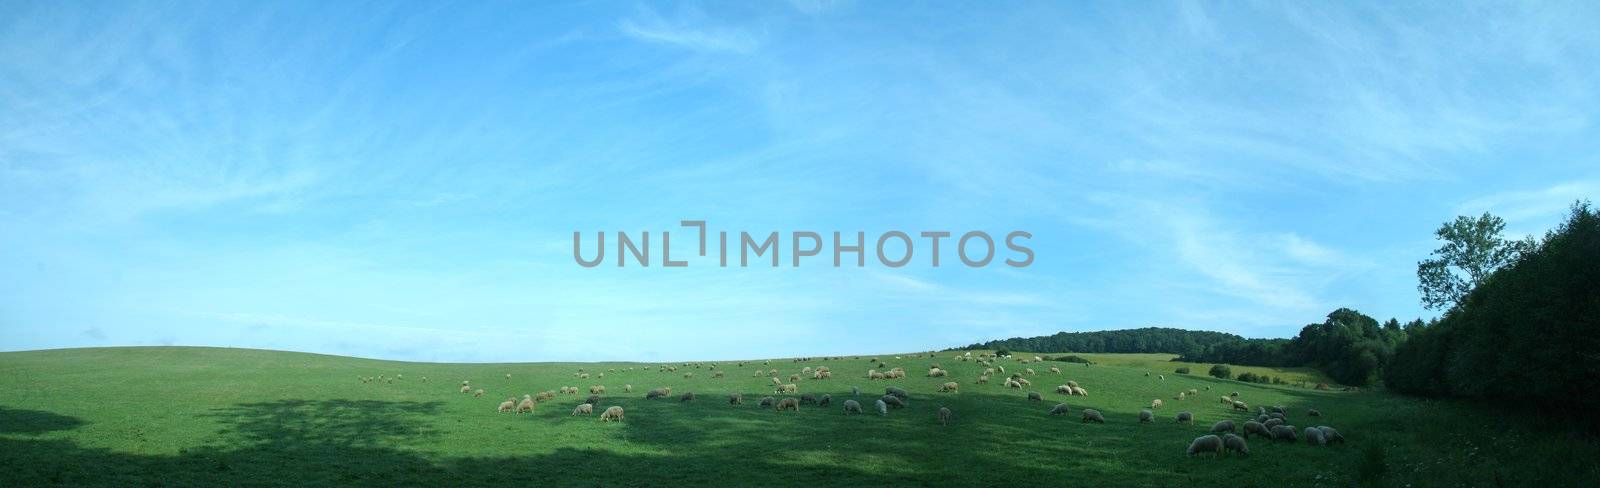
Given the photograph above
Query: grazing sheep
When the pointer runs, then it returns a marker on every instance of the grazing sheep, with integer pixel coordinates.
(897, 392)
(1161, 377)
(1278, 409)
(935, 372)
(1064, 389)
(788, 404)
(1270, 423)
(1241, 406)
(466, 389)
(1146, 416)
(1313, 413)
(1079, 391)
(1284, 433)
(1092, 415)
(583, 376)
(655, 393)
(1223, 426)
(776, 381)
(592, 399)
(1033, 396)
(855, 391)
(1193, 392)
(1054, 369)
(584, 409)
(627, 388)
(1276, 415)
(1180, 396)
(1263, 418)
(1257, 428)
(1060, 408)
(790, 388)
(735, 399)
(1234, 394)
(507, 405)
(850, 406)
(893, 401)
(478, 393)
(686, 396)
(825, 400)
(1209, 443)
(983, 380)
(1155, 403)
(883, 408)
(1024, 381)
(808, 399)
(1029, 371)
(1227, 400)
(1186, 417)
(611, 413)
(1235, 444)
(1330, 435)
(951, 387)
(1013, 384)
(875, 376)
(766, 401)
(1314, 437)
(526, 405)
(597, 389)
(794, 378)
(508, 376)
(1072, 384)
(944, 415)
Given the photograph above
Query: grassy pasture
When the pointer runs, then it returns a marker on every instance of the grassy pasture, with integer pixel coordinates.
(174, 416)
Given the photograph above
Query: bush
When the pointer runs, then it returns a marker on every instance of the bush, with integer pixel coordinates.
(1182, 370)
(1002, 352)
(1071, 359)
(1221, 371)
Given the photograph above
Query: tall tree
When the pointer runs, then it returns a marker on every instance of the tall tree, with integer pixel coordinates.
(1472, 250)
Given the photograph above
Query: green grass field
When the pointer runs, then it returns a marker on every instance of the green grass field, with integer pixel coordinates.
(229, 417)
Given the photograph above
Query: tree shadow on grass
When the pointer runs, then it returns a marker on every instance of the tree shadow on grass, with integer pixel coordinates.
(34, 422)
(364, 443)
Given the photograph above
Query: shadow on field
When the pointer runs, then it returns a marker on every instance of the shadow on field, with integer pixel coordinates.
(34, 422)
(358, 443)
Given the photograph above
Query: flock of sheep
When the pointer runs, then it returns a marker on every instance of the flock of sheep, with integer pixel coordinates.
(1269, 423)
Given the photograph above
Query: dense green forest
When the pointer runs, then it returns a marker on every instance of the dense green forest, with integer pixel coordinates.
(1519, 312)
(1145, 340)
(1351, 347)
(1530, 331)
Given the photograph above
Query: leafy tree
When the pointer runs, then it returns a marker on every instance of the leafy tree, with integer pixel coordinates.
(1533, 325)
(1182, 370)
(1221, 371)
(1472, 250)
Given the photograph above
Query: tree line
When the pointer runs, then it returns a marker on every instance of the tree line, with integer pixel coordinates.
(1146, 340)
(1517, 312)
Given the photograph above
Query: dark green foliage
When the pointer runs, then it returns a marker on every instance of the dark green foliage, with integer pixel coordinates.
(1182, 370)
(1529, 331)
(1146, 340)
(1072, 359)
(1221, 371)
(1349, 346)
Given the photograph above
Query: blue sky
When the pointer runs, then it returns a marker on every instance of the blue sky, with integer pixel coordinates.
(402, 180)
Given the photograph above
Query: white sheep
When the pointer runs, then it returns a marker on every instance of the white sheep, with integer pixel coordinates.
(1235, 444)
(1146, 416)
(851, 406)
(1209, 443)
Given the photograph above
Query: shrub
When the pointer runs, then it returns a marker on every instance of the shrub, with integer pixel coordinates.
(1182, 370)
(1221, 371)
(1072, 359)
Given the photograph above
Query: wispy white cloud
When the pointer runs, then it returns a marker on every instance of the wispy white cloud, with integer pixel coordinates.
(690, 34)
